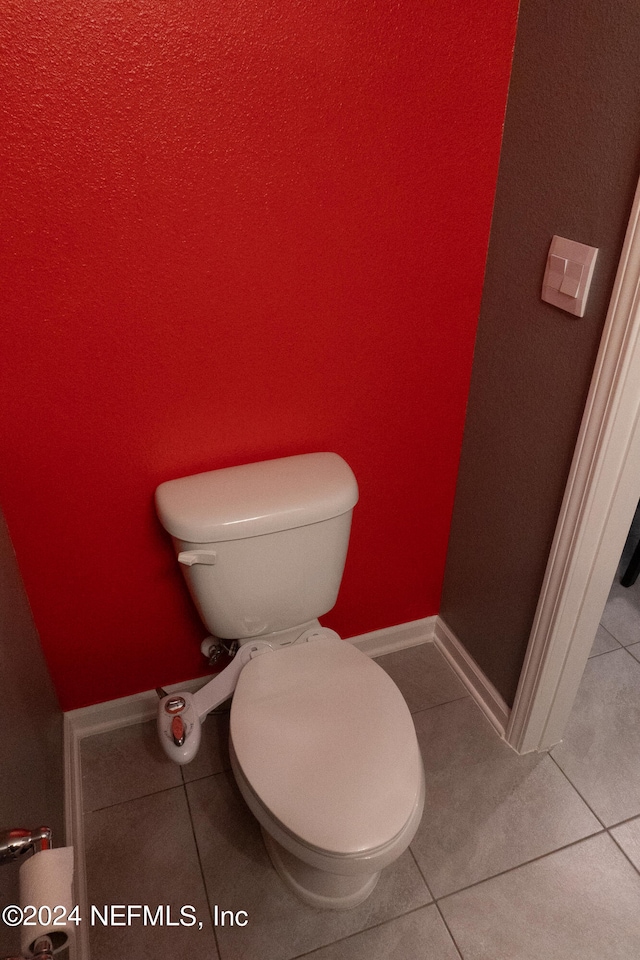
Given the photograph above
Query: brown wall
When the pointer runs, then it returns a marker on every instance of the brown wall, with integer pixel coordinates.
(31, 766)
(569, 166)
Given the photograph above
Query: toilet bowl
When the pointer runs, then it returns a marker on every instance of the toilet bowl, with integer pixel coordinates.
(324, 752)
(322, 743)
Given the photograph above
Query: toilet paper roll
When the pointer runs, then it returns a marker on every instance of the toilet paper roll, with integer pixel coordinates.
(46, 882)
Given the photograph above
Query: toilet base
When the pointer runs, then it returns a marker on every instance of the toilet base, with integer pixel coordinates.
(318, 888)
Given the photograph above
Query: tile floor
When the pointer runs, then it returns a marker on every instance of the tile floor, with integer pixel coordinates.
(517, 857)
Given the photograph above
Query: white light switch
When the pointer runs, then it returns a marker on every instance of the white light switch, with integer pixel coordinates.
(567, 277)
(572, 277)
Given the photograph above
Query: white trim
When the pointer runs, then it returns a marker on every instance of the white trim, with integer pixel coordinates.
(404, 635)
(601, 495)
(479, 686)
(74, 833)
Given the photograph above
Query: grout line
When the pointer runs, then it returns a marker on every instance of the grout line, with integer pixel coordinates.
(420, 871)
(525, 863)
(201, 868)
(356, 933)
(143, 796)
(601, 626)
(623, 852)
(435, 903)
(596, 656)
(621, 823)
(573, 787)
(207, 776)
(443, 703)
(453, 939)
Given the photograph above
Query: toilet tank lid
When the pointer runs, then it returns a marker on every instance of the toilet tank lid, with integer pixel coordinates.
(256, 498)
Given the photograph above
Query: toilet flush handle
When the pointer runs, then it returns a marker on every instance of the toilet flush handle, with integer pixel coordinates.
(189, 557)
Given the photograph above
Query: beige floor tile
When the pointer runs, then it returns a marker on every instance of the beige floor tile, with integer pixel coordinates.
(601, 747)
(603, 642)
(420, 935)
(581, 903)
(143, 852)
(621, 615)
(423, 676)
(487, 809)
(239, 876)
(124, 764)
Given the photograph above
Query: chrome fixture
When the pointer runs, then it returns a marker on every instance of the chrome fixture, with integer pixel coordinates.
(213, 648)
(15, 843)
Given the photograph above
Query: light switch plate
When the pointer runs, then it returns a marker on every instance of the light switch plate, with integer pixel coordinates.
(567, 277)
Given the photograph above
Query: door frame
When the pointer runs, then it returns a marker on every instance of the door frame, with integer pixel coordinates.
(600, 498)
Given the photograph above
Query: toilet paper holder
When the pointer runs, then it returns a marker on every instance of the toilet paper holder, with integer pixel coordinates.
(14, 844)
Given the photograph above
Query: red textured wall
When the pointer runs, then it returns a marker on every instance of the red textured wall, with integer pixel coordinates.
(234, 231)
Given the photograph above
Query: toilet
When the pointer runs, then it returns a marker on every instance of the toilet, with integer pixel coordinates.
(322, 744)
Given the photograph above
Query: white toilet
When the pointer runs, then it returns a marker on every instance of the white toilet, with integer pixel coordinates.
(322, 743)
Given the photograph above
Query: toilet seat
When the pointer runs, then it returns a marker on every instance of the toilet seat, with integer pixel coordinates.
(325, 742)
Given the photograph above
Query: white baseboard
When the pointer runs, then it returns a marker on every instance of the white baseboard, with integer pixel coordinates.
(479, 686)
(411, 634)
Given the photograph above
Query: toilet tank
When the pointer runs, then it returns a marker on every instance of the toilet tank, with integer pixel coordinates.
(262, 546)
